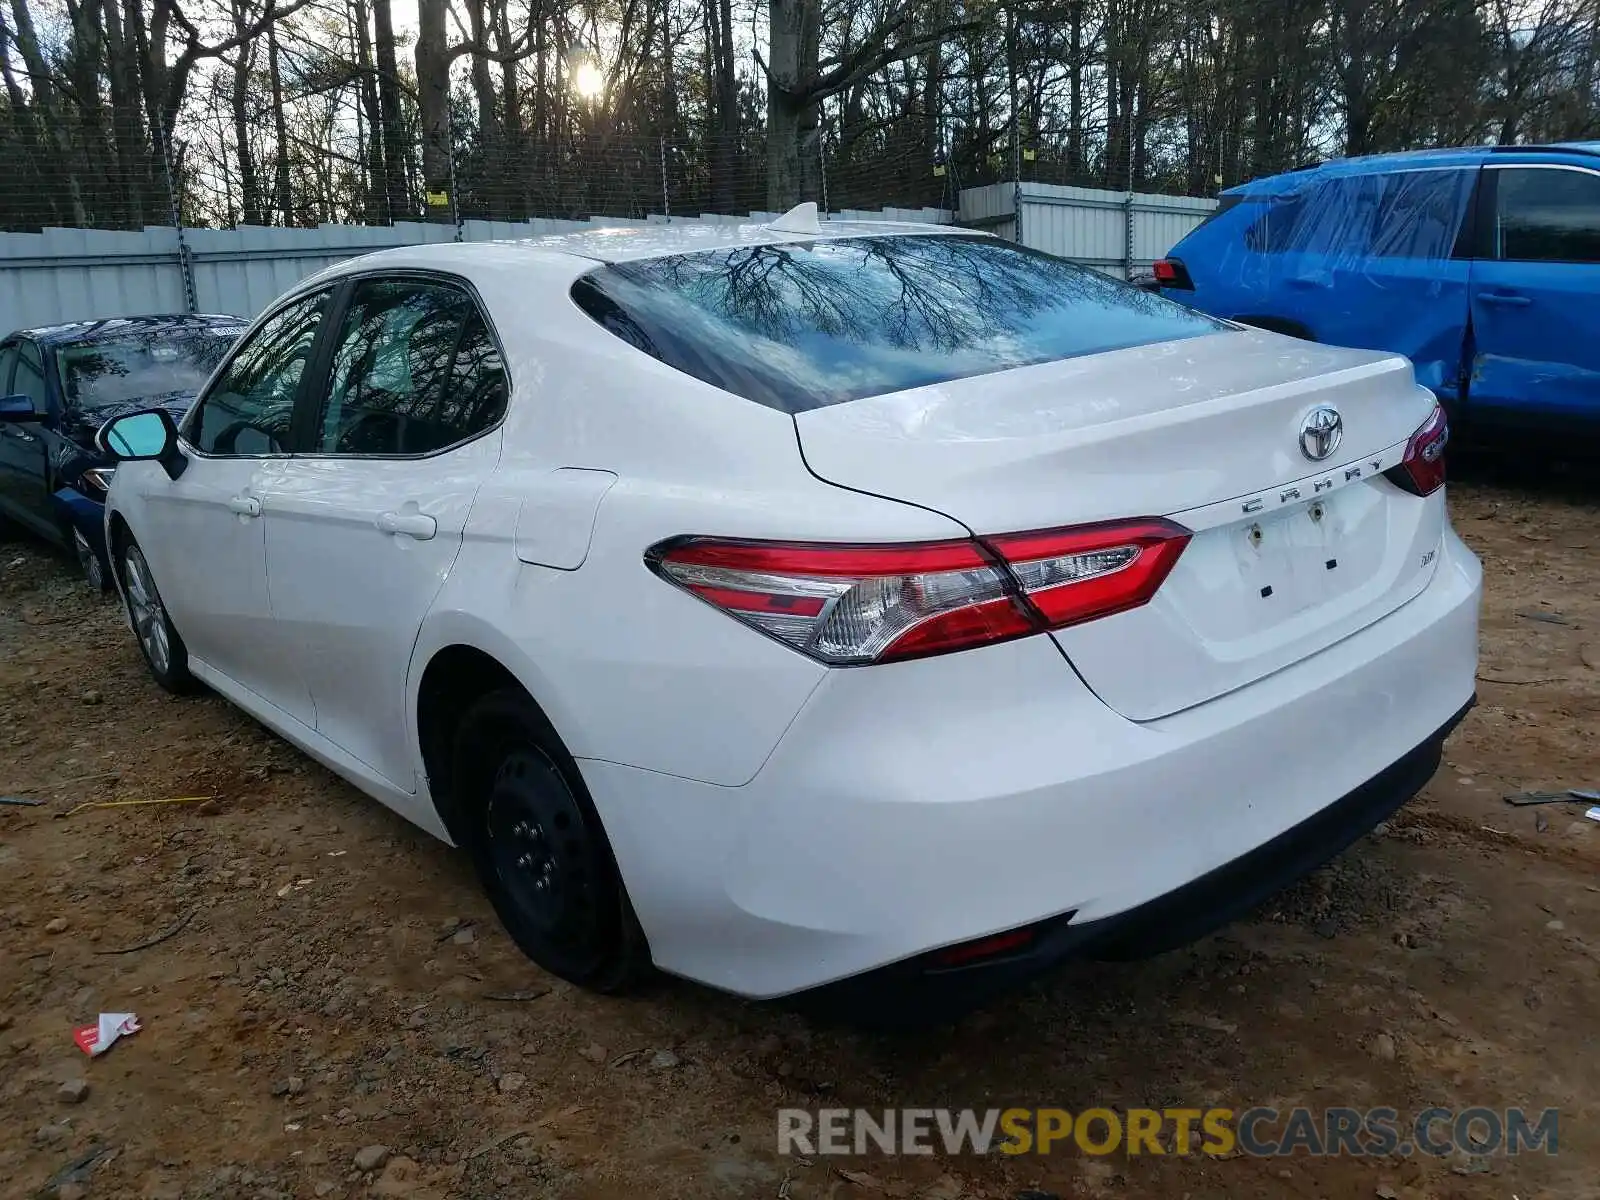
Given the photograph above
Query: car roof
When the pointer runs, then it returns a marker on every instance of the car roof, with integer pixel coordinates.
(633, 243)
(115, 327)
(571, 254)
(1455, 156)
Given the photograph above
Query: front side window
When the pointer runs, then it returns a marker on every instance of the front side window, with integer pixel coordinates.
(1548, 215)
(151, 367)
(802, 325)
(250, 409)
(29, 379)
(415, 370)
(8, 359)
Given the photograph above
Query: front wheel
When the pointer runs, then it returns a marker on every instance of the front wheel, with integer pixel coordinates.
(540, 850)
(163, 650)
(89, 560)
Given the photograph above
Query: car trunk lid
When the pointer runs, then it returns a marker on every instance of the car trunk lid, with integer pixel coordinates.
(1289, 554)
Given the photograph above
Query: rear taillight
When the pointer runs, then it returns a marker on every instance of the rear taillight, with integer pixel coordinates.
(1000, 945)
(856, 604)
(1421, 471)
(1088, 571)
(1170, 272)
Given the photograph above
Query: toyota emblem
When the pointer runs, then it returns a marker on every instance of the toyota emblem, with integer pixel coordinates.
(1321, 432)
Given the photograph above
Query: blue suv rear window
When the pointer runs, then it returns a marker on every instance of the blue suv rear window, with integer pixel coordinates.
(803, 325)
(1395, 214)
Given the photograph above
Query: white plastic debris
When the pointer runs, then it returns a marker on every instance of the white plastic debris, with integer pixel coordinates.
(95, 1040)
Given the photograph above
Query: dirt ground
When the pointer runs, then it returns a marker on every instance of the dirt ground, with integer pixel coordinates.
(336, 982)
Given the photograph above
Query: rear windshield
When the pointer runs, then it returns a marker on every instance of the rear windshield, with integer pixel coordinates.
(803, 325)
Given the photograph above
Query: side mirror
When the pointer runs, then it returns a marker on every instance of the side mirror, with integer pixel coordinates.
(19, 408)
(144, 436)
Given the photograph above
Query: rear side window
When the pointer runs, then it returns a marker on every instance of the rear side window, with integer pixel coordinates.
(804, 325)
(1224, 204)
(1401, 214)
(1273, 230)
(1548, 215)
(414, 371)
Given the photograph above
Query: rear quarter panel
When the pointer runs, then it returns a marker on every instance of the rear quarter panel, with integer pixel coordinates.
(629, 668)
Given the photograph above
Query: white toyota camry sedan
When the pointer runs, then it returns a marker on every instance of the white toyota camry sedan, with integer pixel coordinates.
(859, 610)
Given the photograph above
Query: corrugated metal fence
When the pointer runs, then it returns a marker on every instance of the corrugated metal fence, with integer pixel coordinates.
(1121, 233)
(79, 274)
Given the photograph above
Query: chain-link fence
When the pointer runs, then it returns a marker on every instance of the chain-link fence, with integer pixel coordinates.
(113, 171)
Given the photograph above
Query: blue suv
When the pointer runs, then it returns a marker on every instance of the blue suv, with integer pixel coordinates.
(1481, 265)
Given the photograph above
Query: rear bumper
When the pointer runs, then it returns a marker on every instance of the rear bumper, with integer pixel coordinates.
(927, 987)
(919, 805)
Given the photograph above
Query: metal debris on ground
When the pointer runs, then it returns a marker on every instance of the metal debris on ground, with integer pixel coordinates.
(518, 997)
(76, 1171)
(1532, 614)
(1523, 799)
(22, 800)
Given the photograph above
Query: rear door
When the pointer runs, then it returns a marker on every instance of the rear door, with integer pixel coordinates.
(363, 528)
(1372, 261)
(1535, 313)
(24, 448)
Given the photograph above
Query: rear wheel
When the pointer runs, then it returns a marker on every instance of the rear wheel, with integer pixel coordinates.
(163, 649)
(540, 850)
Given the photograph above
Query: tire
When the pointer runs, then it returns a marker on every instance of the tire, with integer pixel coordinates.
(540, 850)
(163, 650)
(91, 564)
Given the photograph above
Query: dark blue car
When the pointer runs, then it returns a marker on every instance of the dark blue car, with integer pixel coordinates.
(1481, 265)
(59, 385)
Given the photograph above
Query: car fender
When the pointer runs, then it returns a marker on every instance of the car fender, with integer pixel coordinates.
(446, 627)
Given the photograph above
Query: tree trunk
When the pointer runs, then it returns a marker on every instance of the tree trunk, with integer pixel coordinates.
(1075, 89)
(122, 68)
(282, 195)
(725, 134)
(511, 169)
(249, 184)
(375, 190)
(482, 79)
(397, 206)
(790, 27)
(433, 103)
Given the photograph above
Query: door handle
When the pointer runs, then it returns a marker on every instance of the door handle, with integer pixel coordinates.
(245, 506)
(1507, 299)
(408, 524)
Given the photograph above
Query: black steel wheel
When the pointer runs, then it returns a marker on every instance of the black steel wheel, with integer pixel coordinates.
(539, 847)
